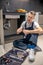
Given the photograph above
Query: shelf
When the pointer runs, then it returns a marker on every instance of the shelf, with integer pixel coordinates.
(13, 13)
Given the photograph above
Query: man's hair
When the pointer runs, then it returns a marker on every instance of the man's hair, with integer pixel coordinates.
(33, 12)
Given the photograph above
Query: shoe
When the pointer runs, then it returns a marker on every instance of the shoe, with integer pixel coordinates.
(31, 55)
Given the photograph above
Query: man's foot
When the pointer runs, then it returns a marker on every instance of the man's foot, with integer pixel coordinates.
(31, 55)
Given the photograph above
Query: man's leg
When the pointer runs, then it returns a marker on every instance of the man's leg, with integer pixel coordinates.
(34, 38)
(20, 44)
(31, 46)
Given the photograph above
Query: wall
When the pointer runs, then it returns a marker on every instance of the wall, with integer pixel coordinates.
(41, 20)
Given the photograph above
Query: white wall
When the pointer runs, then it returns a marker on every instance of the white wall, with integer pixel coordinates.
(41, 20)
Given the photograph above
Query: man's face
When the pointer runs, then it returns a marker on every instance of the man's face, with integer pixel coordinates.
(30, 17)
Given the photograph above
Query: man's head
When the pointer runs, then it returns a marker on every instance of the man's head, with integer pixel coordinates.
(30, 16)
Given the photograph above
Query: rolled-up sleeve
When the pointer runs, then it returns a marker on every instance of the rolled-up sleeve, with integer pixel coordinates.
(23, 25)
(36, 25)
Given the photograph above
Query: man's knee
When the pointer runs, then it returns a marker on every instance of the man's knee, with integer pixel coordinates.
(33, 38)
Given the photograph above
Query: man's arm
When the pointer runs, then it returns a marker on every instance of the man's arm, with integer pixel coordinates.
(37, 31)
(19, 30)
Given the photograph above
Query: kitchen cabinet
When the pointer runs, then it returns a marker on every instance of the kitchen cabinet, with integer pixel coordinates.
(9, 22)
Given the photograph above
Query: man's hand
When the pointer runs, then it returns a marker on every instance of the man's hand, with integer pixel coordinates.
(26, 31)
(19, 30)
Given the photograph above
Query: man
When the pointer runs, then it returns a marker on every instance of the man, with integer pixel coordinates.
(31, 29)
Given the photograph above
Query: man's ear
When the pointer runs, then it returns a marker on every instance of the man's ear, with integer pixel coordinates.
(33, 18)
